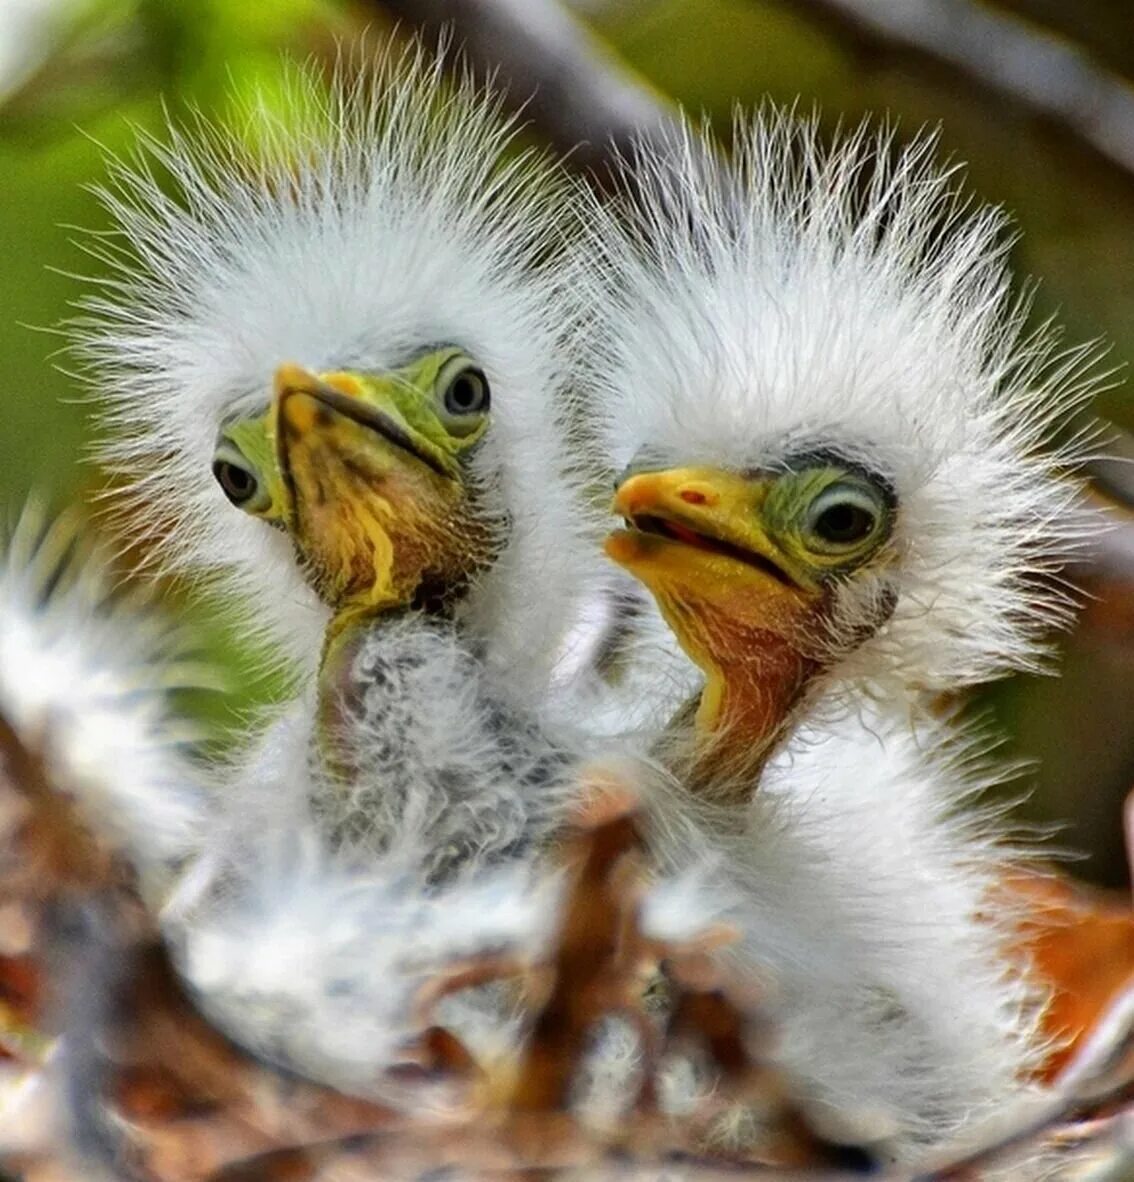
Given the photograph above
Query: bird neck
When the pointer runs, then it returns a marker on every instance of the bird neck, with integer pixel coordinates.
(755, 680)
(353, 624)
(341, 689)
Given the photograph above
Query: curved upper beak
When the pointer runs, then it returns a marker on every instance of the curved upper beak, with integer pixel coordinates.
(304, 402)
(369, 504)
(705, 520)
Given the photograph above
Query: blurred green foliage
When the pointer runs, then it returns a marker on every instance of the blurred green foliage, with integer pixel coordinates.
(90, 69)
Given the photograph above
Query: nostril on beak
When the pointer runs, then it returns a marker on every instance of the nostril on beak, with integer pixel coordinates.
(693, 494)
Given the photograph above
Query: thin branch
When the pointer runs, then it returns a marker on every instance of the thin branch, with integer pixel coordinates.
(548, 64)
(1040, 73)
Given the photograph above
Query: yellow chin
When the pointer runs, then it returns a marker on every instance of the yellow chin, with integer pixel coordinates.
(753, 637)
(702, 545)
(726, 591)
(340, 522)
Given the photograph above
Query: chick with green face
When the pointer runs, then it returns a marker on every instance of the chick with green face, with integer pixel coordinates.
(382, 230)
(365, 473)
(745, 568)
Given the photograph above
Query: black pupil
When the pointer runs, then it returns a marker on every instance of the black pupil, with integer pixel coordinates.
(238, 483)
(844, 523)
(466, 394)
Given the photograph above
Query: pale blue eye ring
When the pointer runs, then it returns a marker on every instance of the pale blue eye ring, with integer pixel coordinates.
(845, 515)
(464, 394)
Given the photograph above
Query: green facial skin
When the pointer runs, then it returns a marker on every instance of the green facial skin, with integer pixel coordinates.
(244, 464)
(826, 522)
(416, 397)
(412, 399)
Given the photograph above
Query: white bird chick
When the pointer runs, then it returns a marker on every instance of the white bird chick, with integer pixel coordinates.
(393, 237)
(335, 377)
(336, 374)
(821, 350)
(811, 369)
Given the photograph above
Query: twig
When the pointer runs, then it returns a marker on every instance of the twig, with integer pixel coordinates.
(1038, 72)
(544, 61)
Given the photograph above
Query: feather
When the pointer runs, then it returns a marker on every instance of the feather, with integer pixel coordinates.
(88, 670)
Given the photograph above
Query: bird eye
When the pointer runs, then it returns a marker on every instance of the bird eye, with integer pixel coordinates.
(464, 395)
(844, 523)
(237, 483)
(240, 481)
(467, 394)
(846, 516)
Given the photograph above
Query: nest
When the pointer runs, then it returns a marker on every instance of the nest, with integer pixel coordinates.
(109, 1066)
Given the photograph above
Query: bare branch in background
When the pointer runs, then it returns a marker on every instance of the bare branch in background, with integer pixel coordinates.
(547, 63)
(1039, 72)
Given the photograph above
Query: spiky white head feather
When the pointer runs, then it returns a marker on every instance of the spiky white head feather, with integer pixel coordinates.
(803, 297)
(396, 214)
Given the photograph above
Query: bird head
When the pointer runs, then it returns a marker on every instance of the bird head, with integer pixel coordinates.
(366, 474)
(746, 567)
(727, 553)
(381, 229)
(847, 433)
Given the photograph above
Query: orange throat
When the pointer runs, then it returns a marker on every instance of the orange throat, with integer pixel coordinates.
(755, 680)
(750, 628)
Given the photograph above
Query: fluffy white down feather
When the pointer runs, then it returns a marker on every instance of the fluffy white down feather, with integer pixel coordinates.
(394, 213)
(851, 894)
(895, 1012)
(86, 672)
(912, 873)
(848, 297)
(319, 967)
(315, 960)
(308, 959)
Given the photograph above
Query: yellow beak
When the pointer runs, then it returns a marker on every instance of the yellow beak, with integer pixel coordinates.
(698, 532)
(368, 505)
